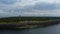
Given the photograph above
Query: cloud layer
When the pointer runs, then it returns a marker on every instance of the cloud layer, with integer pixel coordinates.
(29, 7)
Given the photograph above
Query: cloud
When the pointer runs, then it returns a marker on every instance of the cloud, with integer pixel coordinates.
(30, 7)
(42, 8)
(53, 13)
(7, 1)
(9, 8)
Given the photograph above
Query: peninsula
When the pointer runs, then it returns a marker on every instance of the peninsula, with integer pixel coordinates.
(27, 22)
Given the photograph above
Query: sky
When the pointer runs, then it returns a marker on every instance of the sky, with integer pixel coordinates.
(29, 8)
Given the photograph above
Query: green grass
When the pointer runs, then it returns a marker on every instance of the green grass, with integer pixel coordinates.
(9, 22)
(39, 18)
(16, 20)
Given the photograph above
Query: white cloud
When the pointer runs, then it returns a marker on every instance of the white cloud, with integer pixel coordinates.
(42, 13)
(22, 4)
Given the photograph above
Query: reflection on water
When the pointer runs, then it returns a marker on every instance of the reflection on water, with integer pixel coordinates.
(55, 29)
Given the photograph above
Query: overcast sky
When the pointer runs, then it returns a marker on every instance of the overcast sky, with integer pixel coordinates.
(30, 7)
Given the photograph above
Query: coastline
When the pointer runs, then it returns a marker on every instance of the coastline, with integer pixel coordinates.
(28, 24)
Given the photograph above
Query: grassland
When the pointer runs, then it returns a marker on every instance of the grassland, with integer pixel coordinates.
(17, 20)
(39, 18)
(9, 20)
(37, 21)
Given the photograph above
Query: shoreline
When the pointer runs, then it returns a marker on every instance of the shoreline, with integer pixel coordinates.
(28, 25)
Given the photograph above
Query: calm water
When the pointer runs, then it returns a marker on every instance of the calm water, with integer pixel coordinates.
(55, 29)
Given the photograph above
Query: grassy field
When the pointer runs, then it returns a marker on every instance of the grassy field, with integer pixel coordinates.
(9, 23)
(17, 20)
(39, 18)
(9, 20)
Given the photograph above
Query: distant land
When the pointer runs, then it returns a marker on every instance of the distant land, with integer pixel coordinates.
(38, 18)
(19, 18)
(10, 19)
(28, 22)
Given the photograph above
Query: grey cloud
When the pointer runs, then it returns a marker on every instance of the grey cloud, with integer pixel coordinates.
(38, 7)
(43, 6)
(7, 1)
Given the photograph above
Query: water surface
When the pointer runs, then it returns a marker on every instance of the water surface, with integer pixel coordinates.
(54, 29)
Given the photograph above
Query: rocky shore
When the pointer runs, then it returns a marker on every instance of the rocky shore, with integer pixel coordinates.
(35, 24)
(28, 24)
